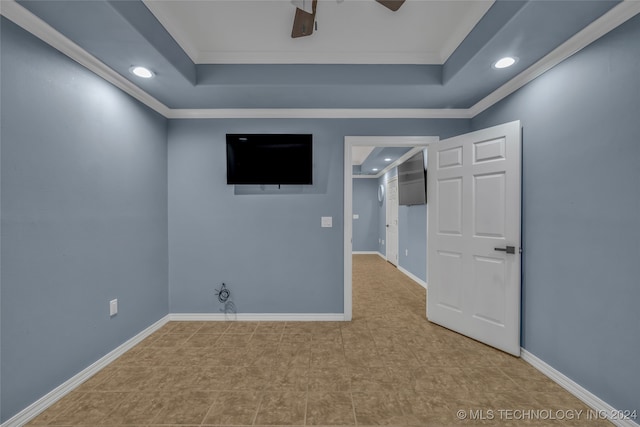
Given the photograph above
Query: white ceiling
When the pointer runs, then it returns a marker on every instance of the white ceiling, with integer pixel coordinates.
(349, 32)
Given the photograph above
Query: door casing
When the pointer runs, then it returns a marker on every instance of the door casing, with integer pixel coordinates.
(349, 142)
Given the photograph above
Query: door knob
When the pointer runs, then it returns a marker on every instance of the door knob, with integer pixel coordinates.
(508, 249)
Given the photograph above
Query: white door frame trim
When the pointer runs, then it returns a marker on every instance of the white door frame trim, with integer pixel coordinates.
(349, 142)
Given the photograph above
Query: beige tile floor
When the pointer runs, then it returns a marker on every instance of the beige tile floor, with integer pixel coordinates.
(389, 366)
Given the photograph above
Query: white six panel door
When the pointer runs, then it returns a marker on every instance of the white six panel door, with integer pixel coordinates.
(474, 216)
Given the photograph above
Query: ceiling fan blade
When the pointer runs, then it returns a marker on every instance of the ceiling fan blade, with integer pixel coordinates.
(303, 22)
(391, 4)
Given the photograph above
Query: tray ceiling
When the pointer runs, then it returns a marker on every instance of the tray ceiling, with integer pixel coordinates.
(348, 32)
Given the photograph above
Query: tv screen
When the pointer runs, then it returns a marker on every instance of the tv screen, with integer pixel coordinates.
(412, 181)
(270, 159)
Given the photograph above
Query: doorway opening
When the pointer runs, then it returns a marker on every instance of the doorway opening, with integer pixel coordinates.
(349, 143)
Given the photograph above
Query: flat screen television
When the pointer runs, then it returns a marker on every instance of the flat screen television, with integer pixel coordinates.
(280, 159)
(412, 181)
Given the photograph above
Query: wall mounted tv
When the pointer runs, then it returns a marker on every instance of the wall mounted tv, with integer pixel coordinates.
(412, 181)
(279, 159)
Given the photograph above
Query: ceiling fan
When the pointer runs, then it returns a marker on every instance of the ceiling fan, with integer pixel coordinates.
(304, 21)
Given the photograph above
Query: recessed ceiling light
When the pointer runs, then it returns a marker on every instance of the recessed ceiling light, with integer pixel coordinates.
(505, 62)
(375, 169)
(143, 72)
(388, 159)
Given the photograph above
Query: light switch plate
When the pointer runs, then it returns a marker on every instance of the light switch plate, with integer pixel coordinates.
(113, 307)
(356, 216)
(326, 221)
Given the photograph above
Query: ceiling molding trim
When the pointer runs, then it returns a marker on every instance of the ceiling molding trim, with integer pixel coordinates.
(327, 57)
(173, 30)
(592, 32)
(601, 26)
(462, 32)
(320, 113)
(20, 16)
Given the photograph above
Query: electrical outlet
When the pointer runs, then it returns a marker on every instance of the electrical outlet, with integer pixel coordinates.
(406, 252)
(113, 307)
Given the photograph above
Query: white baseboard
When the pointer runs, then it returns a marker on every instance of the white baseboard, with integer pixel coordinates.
(259, 317)
(33, 410)
(413, 277)
(590, 399)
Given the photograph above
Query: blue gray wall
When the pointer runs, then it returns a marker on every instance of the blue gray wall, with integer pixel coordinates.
(412, 237)
(412, 233)
(581, 234)
(412, 240)
(84, 218)
(266, 245)
(365, 205)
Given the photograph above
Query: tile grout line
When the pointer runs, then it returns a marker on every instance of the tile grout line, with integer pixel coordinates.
(397, 329)
(210, 408)
(255, 416)
(353, 405)
(306, 400)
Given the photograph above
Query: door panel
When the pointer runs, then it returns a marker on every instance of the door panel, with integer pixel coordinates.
(450, 264)
(489, 205)
(450, 158)
(486, 151)
(474, 289)
(449, 197)
(489, 287)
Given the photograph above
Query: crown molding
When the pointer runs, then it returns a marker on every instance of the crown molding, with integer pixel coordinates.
(300, 56)
(592, 32)
(601, 26)
(20, 16)
(174, 30)
(303, 56)
(323, 57)
(320, 113)
(462, 32)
